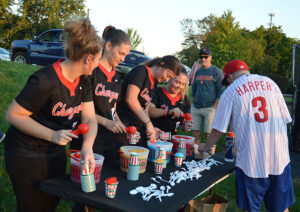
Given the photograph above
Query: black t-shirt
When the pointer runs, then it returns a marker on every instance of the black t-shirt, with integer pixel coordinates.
(141, 77)
(54, 102)
(162, 99)
(106, 88)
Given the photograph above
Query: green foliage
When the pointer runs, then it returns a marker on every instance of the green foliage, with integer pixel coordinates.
(267, 51)
(188, 55)
(134, 37)
(34, 16)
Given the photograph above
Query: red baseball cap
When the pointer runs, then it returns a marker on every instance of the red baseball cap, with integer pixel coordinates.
(233, 66)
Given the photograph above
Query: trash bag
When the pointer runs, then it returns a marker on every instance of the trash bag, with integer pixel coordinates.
(211, 203)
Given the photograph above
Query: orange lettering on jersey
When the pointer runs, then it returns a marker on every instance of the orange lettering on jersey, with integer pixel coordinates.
(203, 77)
(245, 88)
(145, 95)
(100, 91)
(251, 86)
(60, 110)
(239, 90)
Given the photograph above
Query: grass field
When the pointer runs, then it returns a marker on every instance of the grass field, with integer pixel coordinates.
(13, 78)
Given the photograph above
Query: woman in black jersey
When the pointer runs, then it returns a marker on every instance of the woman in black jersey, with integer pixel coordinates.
(169, 103)
(44, 114)
(106, 85)
(135, 94)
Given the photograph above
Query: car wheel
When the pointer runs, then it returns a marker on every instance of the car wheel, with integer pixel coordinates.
(20, 57)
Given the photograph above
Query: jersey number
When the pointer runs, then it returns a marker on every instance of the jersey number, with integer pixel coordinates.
(262, 108)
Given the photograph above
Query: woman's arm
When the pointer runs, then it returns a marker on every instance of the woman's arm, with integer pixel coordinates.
(20, 118)
(155, 112)
(88, 117)
(135, 106)
(116, 126)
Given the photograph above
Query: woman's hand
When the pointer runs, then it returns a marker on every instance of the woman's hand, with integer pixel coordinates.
(150, 131)
(157, 132)
(175, 113)
(62, 137)
(115, 126)
(87, 155)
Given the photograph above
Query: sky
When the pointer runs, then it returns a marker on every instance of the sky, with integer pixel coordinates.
(158, 21)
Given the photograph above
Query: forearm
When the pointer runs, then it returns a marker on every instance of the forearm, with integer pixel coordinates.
(89, 138)
(31, 127)
(157, 112)
(138, 111)
(213, 138)
(216, 103)
(101, 120)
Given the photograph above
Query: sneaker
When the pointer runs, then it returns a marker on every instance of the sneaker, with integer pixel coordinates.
(2, 136)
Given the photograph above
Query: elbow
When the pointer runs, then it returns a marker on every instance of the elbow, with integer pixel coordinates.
(9, 117)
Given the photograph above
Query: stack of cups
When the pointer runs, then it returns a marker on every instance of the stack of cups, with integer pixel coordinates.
(165, 136)
(163, 155)
(87, 179)
(178, 159)
(111, 185)
(158, 166)
(133, 167)
(182, 148)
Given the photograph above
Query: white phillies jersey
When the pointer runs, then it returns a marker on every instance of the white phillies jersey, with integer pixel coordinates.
(254, 108)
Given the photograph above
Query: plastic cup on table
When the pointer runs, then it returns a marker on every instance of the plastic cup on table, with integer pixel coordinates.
(213, 149)
(111, 185)
(178, 159)
(158, 166)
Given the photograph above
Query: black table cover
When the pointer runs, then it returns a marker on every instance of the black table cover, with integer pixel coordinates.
(64, 188)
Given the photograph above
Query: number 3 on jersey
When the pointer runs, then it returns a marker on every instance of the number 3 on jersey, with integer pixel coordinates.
(262, 108)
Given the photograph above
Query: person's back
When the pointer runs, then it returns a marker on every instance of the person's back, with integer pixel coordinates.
(259, 118)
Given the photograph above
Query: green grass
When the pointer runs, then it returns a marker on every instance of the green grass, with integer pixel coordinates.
(13, 78)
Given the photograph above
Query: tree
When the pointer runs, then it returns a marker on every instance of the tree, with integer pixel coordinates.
(134, 37)
(35, 16)
(266, 51)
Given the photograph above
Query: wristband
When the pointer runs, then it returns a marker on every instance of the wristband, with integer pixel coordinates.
(148, 122)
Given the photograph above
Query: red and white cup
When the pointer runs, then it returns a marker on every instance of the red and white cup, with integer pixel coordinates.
(165, 136)
(186, 126)
(213, 149)
(178, 159)
(158, 166)
(111, 189)
(133, 138)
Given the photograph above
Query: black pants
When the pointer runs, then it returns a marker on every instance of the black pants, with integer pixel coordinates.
(26, 173)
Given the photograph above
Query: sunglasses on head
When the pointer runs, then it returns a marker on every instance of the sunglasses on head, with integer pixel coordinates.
(204, 56)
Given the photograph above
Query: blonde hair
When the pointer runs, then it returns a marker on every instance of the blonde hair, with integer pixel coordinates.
(184, 92)
(80, 39)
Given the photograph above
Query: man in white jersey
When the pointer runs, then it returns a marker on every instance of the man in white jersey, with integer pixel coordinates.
(254, 108)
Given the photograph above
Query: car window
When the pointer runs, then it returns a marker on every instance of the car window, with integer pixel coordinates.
(61, 37)
(48, 37)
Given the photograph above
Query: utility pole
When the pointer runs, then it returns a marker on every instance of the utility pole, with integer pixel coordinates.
(271, 16)
(88, 13)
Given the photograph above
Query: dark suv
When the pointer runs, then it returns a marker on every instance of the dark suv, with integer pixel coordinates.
(43, 49)
(134, 58)
(47, 48)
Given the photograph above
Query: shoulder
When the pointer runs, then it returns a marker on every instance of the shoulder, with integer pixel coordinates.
(139, 71)
(45, 75)
(216, 69)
